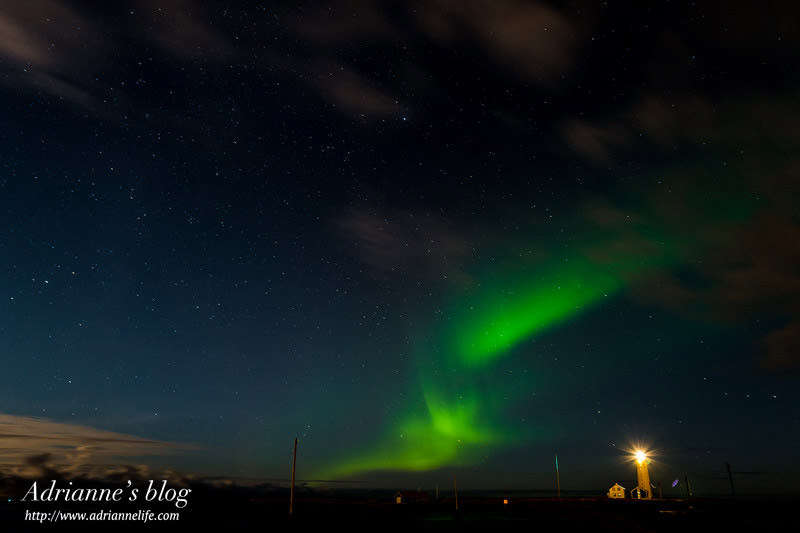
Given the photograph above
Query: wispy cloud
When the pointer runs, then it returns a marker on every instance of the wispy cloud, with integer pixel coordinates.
(529, 37)
(64, 49)
(31, 446)
(419, 244)
(728, 199)
(333, 47)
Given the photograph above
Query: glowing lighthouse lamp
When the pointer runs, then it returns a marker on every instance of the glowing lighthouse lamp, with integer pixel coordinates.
(642, 490)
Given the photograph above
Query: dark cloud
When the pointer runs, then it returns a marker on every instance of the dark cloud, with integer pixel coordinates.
(414, 243)
(727, 212)
(530, 38)
(184, 29)
(626, 244)
(31, 446)
(759, 279)
(744, 122)
(67, 49)
(751, 275)
(53, 52)
(781, 348)
(333, 47)
(594, 141)
(354, 93)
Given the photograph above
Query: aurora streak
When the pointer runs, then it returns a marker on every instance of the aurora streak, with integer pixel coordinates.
(458, 364)
(462, 413)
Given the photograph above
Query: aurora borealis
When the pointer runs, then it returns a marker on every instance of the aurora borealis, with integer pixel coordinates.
(499, 310)
(425, 238)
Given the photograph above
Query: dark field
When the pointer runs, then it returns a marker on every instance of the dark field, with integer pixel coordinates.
(266, 509)
(586, 514)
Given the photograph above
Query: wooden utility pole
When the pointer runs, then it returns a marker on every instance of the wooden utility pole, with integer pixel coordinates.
(558, 480)
(455, 486)
(291, 493)
(730, 478)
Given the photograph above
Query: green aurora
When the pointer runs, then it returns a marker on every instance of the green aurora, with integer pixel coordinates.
(463, 411)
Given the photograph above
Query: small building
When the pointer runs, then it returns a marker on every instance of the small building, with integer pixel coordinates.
(617, 491)
(410, 497)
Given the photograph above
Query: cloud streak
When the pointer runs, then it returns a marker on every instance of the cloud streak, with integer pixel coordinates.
(417, 244)
(31, 446)
(332, 47)
(728, 201)
(528, 37)
(65, 49)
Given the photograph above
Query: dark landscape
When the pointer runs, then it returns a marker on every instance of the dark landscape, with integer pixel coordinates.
(252, 508)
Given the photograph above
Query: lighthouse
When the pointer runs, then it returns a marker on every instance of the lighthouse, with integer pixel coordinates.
(642, 490)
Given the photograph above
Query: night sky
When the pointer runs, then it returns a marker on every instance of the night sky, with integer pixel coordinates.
(424, 237)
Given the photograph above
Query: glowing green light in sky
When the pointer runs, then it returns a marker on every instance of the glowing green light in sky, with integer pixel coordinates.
(460, 363)
(461, 416)
(505, 316)
(446, 433)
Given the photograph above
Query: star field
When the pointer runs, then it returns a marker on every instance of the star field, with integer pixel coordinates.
(423, 237)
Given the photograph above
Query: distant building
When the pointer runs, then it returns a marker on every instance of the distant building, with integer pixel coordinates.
(410, 497)
(616, 492)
